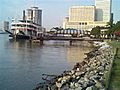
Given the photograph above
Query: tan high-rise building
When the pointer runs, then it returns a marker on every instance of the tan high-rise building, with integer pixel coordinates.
(82, 13)
(80, 17)
(87, 17)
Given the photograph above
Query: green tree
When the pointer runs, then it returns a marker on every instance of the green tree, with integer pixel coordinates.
(96, 32)
(109, 24)
(114, 28)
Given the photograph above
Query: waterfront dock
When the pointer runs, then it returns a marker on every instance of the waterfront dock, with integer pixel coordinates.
(64, 38)
(67, 38)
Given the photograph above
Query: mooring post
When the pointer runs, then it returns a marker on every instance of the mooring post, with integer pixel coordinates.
(41, 42)
(70, 42)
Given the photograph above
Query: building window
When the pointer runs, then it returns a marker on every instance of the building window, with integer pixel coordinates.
(82, 23)
(85, 23)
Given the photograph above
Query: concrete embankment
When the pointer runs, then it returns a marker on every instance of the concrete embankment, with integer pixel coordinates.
(90, 74)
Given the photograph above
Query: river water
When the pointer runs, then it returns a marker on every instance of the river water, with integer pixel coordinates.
(22, 63)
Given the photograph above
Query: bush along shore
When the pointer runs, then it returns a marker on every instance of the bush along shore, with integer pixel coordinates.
(90, 74)
(115, 75)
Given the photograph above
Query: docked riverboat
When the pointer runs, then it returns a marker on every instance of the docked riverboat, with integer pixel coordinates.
(30, 26)
(25, 29)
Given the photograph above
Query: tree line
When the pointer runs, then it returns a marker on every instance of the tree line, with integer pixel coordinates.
(111, 31)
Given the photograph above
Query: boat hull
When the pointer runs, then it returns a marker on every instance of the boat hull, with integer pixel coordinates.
(20, 37)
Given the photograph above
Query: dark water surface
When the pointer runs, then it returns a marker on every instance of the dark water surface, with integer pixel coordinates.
(22, 63)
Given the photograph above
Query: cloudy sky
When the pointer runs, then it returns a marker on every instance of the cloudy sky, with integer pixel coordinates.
(54, 11)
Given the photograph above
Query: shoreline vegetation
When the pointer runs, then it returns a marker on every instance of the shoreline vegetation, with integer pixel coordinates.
(115, 73)
(90, 74)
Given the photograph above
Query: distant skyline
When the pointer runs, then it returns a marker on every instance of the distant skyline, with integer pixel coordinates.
(54, 11)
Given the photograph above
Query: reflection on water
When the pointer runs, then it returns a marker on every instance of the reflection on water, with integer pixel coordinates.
(76, 54)
(22, 63)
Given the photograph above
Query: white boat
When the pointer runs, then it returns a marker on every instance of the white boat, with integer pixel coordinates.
(25, 29)
(30, 26)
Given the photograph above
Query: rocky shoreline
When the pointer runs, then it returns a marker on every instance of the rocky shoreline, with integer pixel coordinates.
(90, 74)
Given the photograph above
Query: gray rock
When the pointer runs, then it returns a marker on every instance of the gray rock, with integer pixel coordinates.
(98, 84)
(77, 85)
(85, 84)
(101, 68)
(58, 84)
(72, 85)
(89, 88)
(79, 88)
(72, 71)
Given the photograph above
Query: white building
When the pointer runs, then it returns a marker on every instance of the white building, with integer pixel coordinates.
(6, 25)
(103, 10)
(35, 14)
(87, 17)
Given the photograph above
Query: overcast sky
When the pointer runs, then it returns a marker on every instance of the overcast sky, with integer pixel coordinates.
(54, 11)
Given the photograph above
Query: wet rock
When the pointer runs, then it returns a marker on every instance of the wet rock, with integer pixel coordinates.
(85, 84)
(98, 84)
(72, 71)
(100, 68)
(89, 88)
(58, 84)
(77, 85)
(79, 88)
